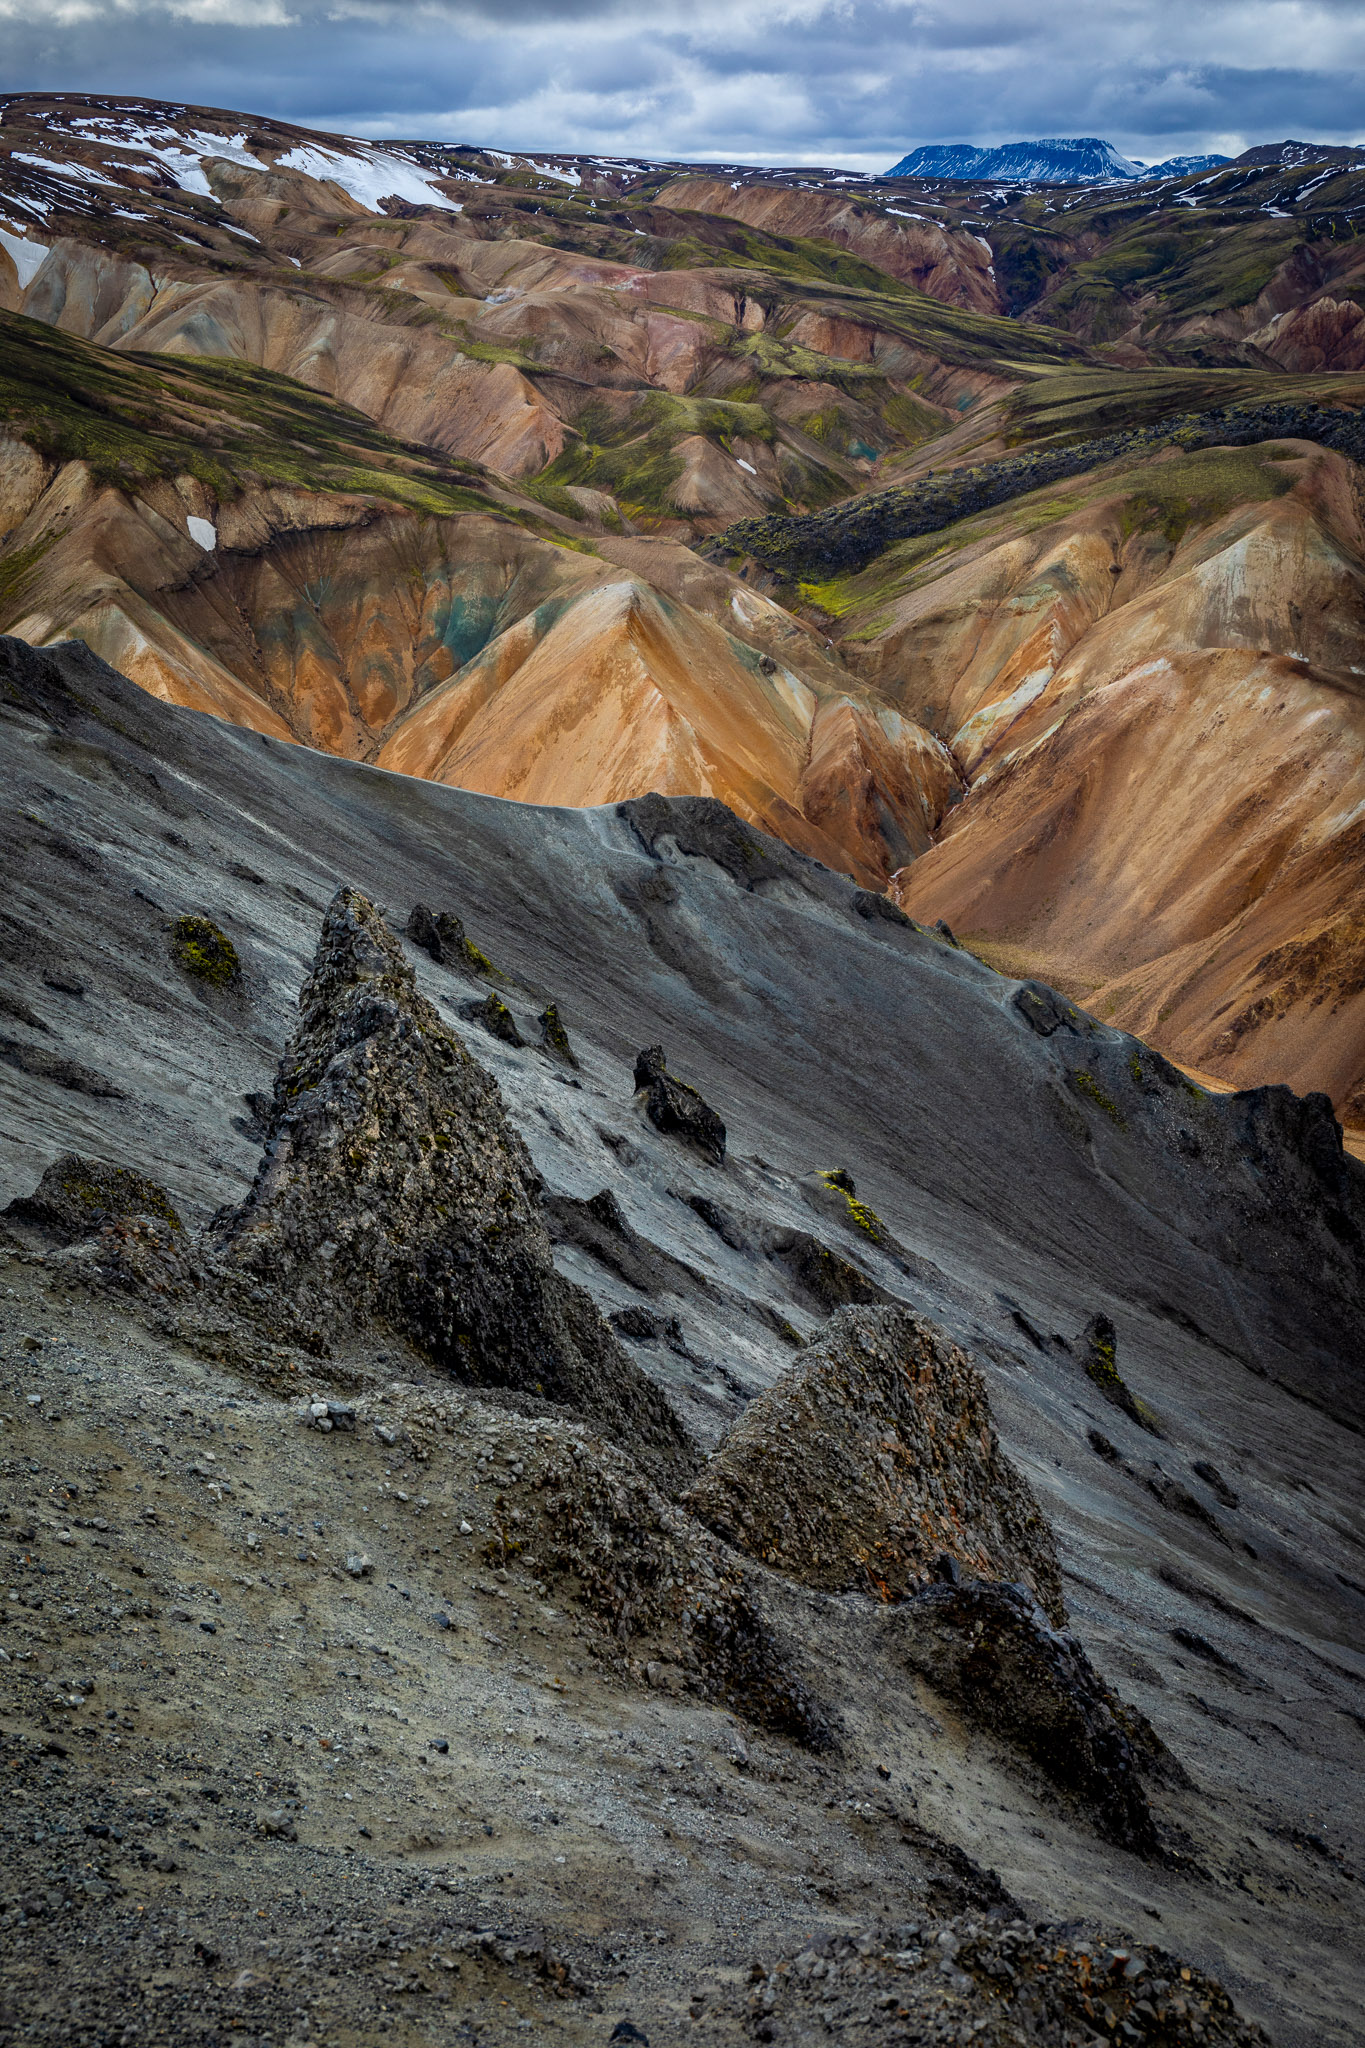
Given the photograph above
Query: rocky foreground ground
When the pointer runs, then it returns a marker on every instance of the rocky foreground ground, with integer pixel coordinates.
(293, 1755)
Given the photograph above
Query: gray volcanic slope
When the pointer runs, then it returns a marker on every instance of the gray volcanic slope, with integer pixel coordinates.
(1031, 1170)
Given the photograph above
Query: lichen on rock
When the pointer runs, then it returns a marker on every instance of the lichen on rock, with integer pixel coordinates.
(873, 1456)
(206, 952)
(1098, 1345)
(554, 1039)
(675, 1108)
(838, 1182)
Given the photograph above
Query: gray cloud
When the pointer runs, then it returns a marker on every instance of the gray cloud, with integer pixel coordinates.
(854, 82)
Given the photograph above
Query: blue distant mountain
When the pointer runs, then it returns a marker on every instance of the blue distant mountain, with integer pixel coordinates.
(1059, 160)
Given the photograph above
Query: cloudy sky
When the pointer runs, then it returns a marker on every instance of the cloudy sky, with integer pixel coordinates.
(849, 82)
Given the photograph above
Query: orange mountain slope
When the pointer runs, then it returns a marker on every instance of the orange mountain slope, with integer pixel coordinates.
(1154, 685)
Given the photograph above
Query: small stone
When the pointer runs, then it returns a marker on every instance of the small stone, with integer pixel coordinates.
(358, 1565)
(440, 1745)
(277, 1825)
(466, 1529)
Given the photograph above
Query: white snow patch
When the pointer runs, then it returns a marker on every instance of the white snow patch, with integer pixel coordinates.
(742, 464)
(28, 256)
(376, 175)
(81, 173)
(555, 171)
(203, 531)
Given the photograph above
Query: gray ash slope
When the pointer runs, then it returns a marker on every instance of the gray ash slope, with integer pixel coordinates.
(1027, 1171)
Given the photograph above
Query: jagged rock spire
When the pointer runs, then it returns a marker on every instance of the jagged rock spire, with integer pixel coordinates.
(393, 1190)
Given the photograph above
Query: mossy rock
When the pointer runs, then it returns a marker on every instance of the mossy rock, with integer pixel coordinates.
(1099, 1356)
(860, 1215)
(554, 1038)
(205, 951)
(76, 1197)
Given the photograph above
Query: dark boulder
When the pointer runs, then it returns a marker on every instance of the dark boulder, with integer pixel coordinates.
(705, 828)
(1098, 1348)
(1042, 1007)
(493, 1016)
(554, 1039)
(826, 1278)
(677, 1109)
(435, 932)
(442, 934)
(599, 1227)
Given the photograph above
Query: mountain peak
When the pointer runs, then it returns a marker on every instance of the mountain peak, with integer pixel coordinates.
(1051, 160)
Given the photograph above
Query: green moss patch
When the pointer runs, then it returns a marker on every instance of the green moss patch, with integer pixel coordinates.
(1091, 1089)
(201, 949)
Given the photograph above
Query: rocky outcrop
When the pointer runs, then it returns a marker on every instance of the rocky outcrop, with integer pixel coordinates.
(76, 1198)
(850, 535)
(675, 1605)
(871, 1458)
(394, 1191)
(1098, 1347)
(991, 1977)
(990, 1649)
(675, 1108)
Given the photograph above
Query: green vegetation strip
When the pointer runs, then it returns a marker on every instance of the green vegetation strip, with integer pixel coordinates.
(134, 418)
(848, 536)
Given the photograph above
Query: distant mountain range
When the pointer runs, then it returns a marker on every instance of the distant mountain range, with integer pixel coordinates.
(1057, 160)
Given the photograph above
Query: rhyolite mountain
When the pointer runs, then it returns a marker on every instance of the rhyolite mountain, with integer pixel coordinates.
(464, 463)
(1057, 160)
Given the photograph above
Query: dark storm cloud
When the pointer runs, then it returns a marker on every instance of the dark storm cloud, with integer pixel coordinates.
(846, 81)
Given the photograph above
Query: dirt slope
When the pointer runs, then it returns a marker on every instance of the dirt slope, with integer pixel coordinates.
(200, 1570)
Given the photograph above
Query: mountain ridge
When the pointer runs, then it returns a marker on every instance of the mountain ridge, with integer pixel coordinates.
(1050, 160)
